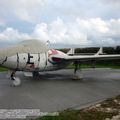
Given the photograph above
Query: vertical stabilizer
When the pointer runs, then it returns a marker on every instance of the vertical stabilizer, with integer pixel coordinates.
(71, 51)
(100, 51)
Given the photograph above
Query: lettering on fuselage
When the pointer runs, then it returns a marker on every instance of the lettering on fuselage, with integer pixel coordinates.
(29, 57)
(30, 65)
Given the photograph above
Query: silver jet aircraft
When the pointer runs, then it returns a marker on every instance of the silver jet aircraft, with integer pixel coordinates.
(33, 56)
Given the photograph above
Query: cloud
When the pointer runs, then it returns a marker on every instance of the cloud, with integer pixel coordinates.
(93, 32)
(60, 32)
(30, 10)
(2, 23)
(24, 10)
(11, 35)
(41, 32)
(112, 1)
(83, 32)
(36, 11)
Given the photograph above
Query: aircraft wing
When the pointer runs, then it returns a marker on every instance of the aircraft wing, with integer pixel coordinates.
(88, 57)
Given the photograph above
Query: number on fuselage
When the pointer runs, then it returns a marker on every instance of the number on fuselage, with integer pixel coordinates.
(36, 62)
(32, 62)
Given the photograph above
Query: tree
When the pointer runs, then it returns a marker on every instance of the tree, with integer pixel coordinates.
(117, 50)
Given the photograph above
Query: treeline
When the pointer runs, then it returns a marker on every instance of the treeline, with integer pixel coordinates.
(107, 50)
(93, 50)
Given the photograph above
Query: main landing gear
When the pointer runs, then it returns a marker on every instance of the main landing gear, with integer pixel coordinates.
(15, 80)
(77, 75)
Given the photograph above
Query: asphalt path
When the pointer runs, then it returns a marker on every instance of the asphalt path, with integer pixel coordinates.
(56, 90)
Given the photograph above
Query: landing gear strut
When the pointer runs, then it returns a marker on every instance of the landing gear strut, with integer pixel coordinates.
(77, 67)
(15, 80)
(35, 74)
(13, 75)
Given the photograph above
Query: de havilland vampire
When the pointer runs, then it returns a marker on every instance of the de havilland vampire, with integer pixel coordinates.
(33, 56)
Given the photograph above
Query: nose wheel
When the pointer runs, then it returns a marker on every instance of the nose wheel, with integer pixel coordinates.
(15, 80)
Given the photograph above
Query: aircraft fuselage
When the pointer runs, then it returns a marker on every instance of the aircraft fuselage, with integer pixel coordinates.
(34, 62)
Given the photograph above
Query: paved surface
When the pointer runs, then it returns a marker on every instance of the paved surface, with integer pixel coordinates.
(54, 91)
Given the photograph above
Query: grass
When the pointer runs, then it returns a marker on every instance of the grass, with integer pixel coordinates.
(112, 102)
(80, 115)
(83, 66)
(90, 113)
(2, 69)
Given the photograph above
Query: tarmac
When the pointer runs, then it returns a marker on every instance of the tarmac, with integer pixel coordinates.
(56, 90)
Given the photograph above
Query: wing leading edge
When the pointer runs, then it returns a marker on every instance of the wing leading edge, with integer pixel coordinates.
(88, 57)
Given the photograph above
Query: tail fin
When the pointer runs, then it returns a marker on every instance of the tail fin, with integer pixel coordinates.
(100, 51)
(71, 51)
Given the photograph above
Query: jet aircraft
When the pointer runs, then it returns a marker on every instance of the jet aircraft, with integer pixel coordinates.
(33, 56)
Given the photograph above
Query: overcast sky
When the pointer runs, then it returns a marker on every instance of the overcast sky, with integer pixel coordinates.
(63, 22)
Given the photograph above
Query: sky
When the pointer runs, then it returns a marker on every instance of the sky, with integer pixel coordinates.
(63, 22)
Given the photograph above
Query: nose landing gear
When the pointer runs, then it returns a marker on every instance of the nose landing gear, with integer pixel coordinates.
(15, 80)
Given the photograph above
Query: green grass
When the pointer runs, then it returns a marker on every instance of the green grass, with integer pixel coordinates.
(80, 115)
(83, 66)
(2, 69)
(90, 113)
